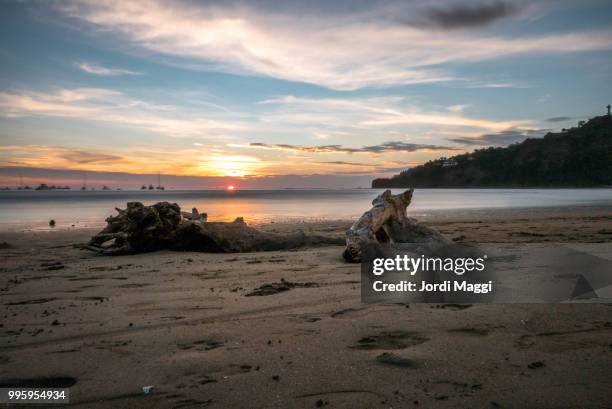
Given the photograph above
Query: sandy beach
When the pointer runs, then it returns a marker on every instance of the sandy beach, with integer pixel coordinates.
(206, 331)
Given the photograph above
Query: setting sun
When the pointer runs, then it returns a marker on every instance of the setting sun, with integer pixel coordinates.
(231, 187)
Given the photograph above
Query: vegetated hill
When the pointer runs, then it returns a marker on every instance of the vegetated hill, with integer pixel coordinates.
(580, 156)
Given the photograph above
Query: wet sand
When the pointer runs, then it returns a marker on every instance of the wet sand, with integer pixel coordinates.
(188, 324)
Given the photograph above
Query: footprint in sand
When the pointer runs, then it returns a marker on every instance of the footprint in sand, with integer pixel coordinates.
(348, 313)
(305, 318)
(563, 341)
(454, 307)
(445, 389)
(388, 358)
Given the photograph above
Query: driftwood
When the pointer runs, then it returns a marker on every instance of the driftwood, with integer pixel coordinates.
(140, 228)
(388, 223)
(195, 215)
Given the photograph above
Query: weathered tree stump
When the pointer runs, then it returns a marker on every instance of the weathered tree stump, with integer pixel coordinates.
(140, 228)
(388, 223)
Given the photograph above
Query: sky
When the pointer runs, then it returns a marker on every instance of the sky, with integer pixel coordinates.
(267, 94)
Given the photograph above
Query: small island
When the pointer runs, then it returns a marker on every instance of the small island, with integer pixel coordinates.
(575, 157)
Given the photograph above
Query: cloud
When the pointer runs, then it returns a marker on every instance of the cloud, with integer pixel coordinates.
(343, 163)
(380, 148)
(356, 50)
(494, 85)
(390, 111)
(96, 69)
(403, 147)
(59, 157)
(559, 119)
(339, 167)
(503, 138)
(83, 157)
(466, 15)
(105, 105)
(458, 107)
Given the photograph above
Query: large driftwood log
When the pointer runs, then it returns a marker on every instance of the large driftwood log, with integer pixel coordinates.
(388, 222)
(140, 228)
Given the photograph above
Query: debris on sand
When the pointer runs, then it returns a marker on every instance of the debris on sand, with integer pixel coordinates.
(202, 345)
(275, 288)
(207, 379)
(5, 246)
(388, 223)
(478, 331)
(51, 223)
(162, 226)
(390, 340)
(536, 365)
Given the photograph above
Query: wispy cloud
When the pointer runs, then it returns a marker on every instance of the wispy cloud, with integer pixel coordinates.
(84, 157)
(503, 138)
(475, 83)
(393, 146)
(560, 118)
(458, 107)
(358, 50)
(61, 157)
(343, 163)
(390, 111)
(105, 105)
(97, 69)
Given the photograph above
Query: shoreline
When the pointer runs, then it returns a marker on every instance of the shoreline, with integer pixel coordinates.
(433, 217)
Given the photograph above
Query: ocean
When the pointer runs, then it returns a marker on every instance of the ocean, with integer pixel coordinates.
(32, 210)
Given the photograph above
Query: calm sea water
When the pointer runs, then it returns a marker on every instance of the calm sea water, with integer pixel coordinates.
(33, 210)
